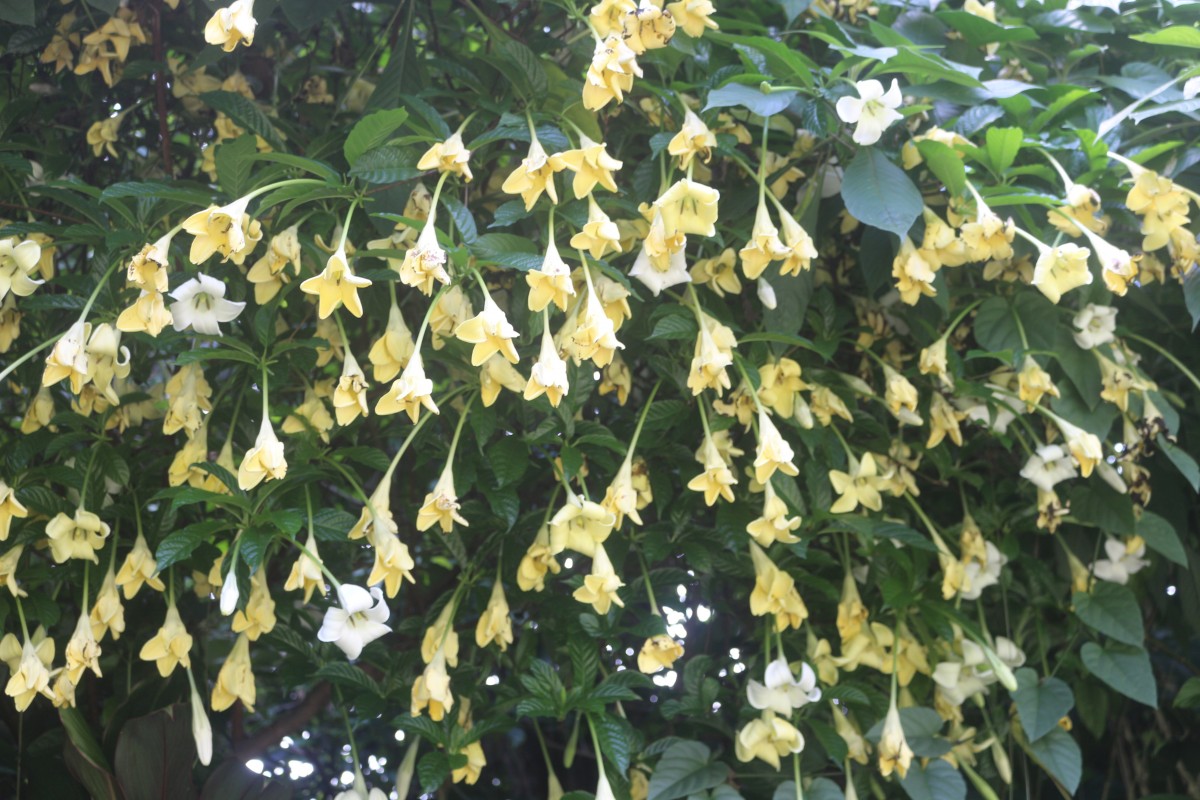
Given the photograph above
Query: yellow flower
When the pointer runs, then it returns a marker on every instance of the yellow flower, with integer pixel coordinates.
(851, 613)
(1033, 383)
(764, 245)
(606, 16)
(621, 498)
(799, 245)
(943, 421)
(600, 586)
(235, 681)
(552, 283)
(647, 27)
(104, 355)
(712, 354)
(549, 373)
(988, 236)
(1061, 269)
(769, 738)
(8, 571)
(309, 415)
(10, 509)
(264, 461)
(616, 377)
(270, 273)
(78, 537)
(856, 743)
(306, 573)
(534, 175)
(102, 135)
(694, 139)
(773, 452)
(1161, 205)
(232, 26)
(717, 480)
(59, 51)
(658, 653)
(148, 314)
(30, 676)
(599, 235)
(611, 73)
(595, 336)
(901, 397)
(495, 624)
(591, 164)
(82, 652)
(441, 505)
(392, 351)
(689, 207)
(376, 514)
(350, 395)
(490, 332)
(227, 230)
(1084, 447)
(448, 156)
(108, 615)
(537, 561)
(336, 285)
(718, 273)
(259, 615)
(393, 562)
(941, 246)
(775, 593)
(170, 645)
(10, 323)
(432, 689)
(497, 374)
(426, 262)
(409, 392)
(68, 359)
(894, 753)
(693, 16)
(913, 273)
(774, 525)
(140, 567)
(441, 636)
(1083, 205)
(859, 486)
(933, 362)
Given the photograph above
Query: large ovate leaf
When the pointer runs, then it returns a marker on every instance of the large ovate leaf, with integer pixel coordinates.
(880, 194)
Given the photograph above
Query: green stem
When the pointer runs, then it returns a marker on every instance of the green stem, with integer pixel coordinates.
(345, 232)
(1191, 376)
(21, 615)
(637, 431)
(796, 776)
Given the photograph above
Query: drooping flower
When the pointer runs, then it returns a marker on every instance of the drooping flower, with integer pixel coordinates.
(1061, 269)
(264, 461)
(595, 334)
(716, 480)
(549, 373)
(1124, 559)
(80, 536)
(1033, 383)
(781, 692)
(270, 273)
(694, 139)
(894, 753)
(552, 283)
(689, 207)
(227, 230)
(775, 593)
(441, 505)
(658, 652)
(712, 355)
(140, 567)
(409, 393)
(769, 738)
(764, 245)
(432, 689)
(235, 681)
(170, 645)
(392, 351)
(108, 615)
(337, 285)
(773, 452)
(200, 304)
(82, 651)
(1047, 467)
(17, 263)
(611, 73)
(647, 27)
(258, 617)
(490, 332)
(30, 677)
(495, 623)
(449, 156)
(68, 358)
(591, 164)
(599, 235)
(534, 175)
(1094, 325)
(872, 112)
(232, 26)
(537, 561)
(694, 16)
(800, 247)
(426, 262)
(358, 622)
(601, 584)
(10, 509)
(774, 525)
(859, 486)
(350, 394)
(306, 574)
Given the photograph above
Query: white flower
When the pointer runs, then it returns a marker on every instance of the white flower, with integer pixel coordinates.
(603, 789)
(201, 729)
(873, 110)
(1121, 562)
(977, 577)
(1094, 325)
(655, 279)
(1049, 466)
(201, 305)
(358, 622)
(766, 293)
(782, 693)
(229, 592)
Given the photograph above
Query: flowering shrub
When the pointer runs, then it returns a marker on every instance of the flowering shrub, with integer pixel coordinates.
(792, 399)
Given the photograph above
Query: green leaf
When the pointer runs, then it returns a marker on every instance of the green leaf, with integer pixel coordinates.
(1111, 609)
(937, 780)
(158, 191)
(1188, 695)
(234, 159)
(155, 754)
(464, 221)
(1097, 504)
(819, 789)
(1125, 669)
(432, 770)
(18, 12)
(1003, 144)
(385, 165)
(880, 194)
(372, 131)
(1191, 296)
(246, 113)
(681, 327)
(1183, 462)
(332, 524)
(1161, 537)
(179, 545)
(1041, 704)
(1172, 36)
(618, 740)
(684, 770)
(1059, 755)
(750, 97)
(509, 458)
(348, 675)
(944, 162)
(508, 250)
(978, 31)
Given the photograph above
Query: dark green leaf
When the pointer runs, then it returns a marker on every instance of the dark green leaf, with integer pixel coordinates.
(1041, 704)
(1113, 610)
(372, 131)
(1125, 669)
(880, 194)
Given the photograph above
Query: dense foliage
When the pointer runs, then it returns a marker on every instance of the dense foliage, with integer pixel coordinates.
(491, 398)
